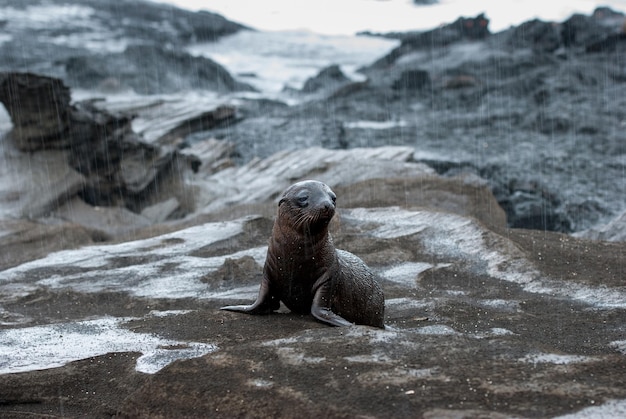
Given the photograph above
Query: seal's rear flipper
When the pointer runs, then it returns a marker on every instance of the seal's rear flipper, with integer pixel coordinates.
(259, 306)
(246, 309)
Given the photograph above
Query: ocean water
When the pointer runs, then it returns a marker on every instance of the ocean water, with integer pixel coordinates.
(272, 61)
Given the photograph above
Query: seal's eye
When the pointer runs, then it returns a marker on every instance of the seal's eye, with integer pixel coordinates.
(302, 199)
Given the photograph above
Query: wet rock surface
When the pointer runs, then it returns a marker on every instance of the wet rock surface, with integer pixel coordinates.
(126, 223)
(479, 322)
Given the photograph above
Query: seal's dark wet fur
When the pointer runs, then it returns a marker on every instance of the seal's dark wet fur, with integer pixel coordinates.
(305, 271)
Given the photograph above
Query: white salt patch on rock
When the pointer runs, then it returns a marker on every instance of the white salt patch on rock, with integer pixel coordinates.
(408, 273)
(182, 282)
(159, 267)
(287, 341)
(295, 356)
(508, 305)
(106, 280)
(554, 359)
(436, 329)
(620, 345)
(50, 346)
(291, 356)
(241, 293)
(386, 335)
(375, 124)
(403, 376)
(423, 373)
(600, 296)
(454, 236)
(179, 242)
(160, 357)
(493, 332)
(482, 251)
(405, 273)
(260, 383)
(409, 303)
(369, 359)
(609, 410)
(167, 313)
(498, 331)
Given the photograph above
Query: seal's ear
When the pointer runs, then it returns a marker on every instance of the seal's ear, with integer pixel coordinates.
(283, 199)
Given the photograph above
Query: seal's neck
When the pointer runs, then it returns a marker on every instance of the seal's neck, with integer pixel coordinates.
(304, 243)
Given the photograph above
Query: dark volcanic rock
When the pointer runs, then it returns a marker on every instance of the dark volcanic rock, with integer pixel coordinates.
(412, 80)
(86, 151)
(612, 43)
(328, 78)
(525, 100)
(141, 20)
(462, 29)
(147, 19)
(531, 206)
(581, 30)
(94, 28)
(610, 18)
(527, 202)
(536, 34)
(151, 69)
(39, 108)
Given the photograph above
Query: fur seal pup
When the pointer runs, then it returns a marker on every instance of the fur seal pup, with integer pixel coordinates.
(305, 271)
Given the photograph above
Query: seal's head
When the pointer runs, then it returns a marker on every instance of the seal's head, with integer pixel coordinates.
(307, 206)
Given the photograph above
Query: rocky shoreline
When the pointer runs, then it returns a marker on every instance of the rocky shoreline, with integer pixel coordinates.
(516, 108)
(480, 175)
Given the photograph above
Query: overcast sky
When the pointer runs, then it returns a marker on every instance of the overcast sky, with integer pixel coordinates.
(351, 16)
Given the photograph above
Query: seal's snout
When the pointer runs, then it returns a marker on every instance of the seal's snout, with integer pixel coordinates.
(332, 199)
(327, 204)
(324, 210)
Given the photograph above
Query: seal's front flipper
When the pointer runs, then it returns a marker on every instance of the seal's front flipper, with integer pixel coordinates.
(327, 316)
(320, 308)
(265, 303)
